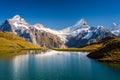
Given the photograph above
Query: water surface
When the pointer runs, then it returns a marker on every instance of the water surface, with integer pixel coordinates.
(54, 65)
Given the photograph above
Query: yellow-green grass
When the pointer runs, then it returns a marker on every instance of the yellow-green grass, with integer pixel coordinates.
(87, 48)
(10, 42)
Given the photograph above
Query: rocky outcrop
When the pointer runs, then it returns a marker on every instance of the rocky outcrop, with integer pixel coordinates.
(46, 39)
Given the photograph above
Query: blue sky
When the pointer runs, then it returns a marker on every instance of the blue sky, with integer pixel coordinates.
(58, 14)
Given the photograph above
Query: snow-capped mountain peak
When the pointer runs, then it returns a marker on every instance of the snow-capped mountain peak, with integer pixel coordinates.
(81, 22)
(18, 18)
(114, 24)
(79, 27)
(19, 22)
(115, 29)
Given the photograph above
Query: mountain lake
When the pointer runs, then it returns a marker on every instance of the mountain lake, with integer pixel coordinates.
(56, 65)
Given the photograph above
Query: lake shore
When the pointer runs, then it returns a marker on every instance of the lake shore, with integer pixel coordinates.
(87, 48)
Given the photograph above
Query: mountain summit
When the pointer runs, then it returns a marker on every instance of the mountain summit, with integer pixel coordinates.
(77, 28)
(82, 23)
(17, 17)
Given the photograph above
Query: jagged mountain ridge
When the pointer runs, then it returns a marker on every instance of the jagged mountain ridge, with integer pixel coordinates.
(72, 36)
(90, 36)
(82, 34)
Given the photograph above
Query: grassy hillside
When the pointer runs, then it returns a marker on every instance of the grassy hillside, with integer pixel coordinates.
(109, 52)
(11, 42)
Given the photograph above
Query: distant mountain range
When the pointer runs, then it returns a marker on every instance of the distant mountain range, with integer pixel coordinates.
(77, 35)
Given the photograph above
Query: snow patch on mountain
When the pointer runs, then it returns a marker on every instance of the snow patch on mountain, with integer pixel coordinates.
(20, 26)
(60, 34)
(89, 35)
(115, 29)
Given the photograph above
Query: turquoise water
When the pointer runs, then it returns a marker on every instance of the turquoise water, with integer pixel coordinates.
(53, 65)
